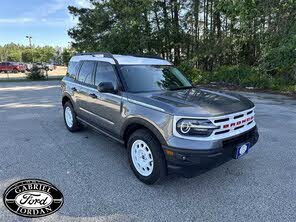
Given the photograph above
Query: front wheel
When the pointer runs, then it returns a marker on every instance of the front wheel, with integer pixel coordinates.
(70, 118)
(146, 157)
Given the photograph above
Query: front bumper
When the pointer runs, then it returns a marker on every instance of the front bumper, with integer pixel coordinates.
(181, 160)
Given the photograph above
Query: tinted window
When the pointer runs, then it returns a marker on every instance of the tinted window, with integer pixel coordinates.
(72, 69)
(85, 74)
(153, 78)
(105, 73)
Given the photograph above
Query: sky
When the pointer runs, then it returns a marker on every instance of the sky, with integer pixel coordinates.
(47, 21)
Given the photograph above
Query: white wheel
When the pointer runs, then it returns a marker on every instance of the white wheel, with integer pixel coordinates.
(142, 158)
(69, 117)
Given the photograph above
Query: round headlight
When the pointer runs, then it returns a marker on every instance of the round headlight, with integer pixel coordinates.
(185, 126)
(195, 127)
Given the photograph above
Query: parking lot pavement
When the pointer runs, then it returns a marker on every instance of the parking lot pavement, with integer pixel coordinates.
(92, 171)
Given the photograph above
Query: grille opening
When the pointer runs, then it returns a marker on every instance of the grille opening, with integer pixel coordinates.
(221, 120)
(249, 123)
(249, 112)
(221, 132)
(228, 143)
(236, 128)
(239, 116)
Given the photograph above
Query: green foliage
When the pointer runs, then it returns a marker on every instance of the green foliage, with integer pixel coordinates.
(280, 61)
(14, 56)
(239, 76)
(66, 55)
(36, 74)
(19, 53)
(192, 73)
(243, 76)
(246, 43)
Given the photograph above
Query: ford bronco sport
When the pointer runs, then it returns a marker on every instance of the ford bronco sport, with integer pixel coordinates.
(148, 105)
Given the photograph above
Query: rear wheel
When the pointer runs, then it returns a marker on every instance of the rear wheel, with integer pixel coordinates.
(146, 157)
(70, 118)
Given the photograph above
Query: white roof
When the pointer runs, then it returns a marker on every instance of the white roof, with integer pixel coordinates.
(122, 59)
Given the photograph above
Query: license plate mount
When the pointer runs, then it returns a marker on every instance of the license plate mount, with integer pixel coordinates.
(241, 150)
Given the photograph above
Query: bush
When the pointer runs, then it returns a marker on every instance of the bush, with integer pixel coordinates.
(36, 74)
(280, 61)
(192, 73)
(243, 76)
(235, 75)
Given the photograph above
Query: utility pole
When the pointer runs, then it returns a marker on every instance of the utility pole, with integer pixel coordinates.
(30, 44)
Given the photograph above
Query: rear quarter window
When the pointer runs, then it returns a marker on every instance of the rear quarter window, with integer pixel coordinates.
(72, 69)
(86, 72)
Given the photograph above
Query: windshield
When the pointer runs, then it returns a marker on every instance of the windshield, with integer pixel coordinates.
(144, 78)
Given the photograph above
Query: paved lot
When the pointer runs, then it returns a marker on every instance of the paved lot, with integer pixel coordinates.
(92, 171)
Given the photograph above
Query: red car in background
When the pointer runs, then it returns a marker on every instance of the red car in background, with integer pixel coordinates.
(12, 67)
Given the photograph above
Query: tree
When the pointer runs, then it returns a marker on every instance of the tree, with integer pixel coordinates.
(67, 54)
(20, 53)
(202, 34)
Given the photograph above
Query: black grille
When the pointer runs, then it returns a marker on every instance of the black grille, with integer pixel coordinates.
(221, 132)
(249, 112)
(238, 139)
(239, 116)
(221, 120)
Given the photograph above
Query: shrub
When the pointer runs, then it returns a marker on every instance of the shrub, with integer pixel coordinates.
(234, 75)
(36, 74)
(279, 60)
(192, 73)
(243, 76)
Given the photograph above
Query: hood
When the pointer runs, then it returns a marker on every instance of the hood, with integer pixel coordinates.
(195, 102)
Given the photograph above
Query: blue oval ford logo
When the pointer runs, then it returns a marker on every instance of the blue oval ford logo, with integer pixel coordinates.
(33, 198)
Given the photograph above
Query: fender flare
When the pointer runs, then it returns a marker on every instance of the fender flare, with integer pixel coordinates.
(67, 95)
(145, 123)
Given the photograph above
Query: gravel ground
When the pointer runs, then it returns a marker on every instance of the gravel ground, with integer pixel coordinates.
(92, 171)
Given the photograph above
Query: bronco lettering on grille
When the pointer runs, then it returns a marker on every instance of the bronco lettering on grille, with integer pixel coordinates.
(238, 123)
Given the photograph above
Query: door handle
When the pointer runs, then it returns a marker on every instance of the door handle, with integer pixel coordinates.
(94, 96)
(74, 89)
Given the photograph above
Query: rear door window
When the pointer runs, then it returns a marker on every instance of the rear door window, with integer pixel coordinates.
(86, 72)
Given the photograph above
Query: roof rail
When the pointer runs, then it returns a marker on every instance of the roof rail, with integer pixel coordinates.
(146, 56)
(110, 55)
(105, 54)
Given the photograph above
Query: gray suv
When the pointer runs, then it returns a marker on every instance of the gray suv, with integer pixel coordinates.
(148, 105)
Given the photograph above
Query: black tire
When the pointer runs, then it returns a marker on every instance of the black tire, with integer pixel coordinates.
(159, 163)
(75, 126)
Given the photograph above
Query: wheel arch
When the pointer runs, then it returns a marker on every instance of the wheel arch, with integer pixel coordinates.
(66, 97)
(134, 124)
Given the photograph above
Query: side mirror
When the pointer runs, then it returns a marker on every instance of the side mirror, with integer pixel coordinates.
(106, 87)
